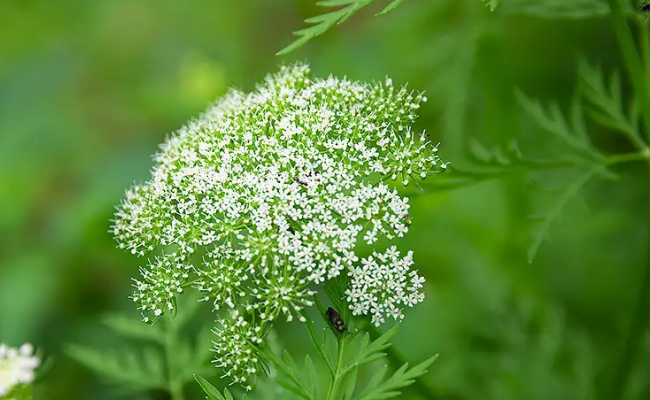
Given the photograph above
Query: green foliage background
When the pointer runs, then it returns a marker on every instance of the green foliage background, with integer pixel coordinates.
(88, 89)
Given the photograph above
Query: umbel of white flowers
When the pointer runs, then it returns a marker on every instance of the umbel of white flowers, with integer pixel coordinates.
(266, 195)
(16, 367)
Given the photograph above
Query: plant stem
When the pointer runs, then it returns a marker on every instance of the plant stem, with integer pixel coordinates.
(621, 158)
(644, 35)
(336, 380)
(173, 375)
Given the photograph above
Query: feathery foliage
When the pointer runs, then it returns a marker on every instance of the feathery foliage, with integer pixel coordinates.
(607, 110)
(343, 357)
(152, 357)
(322, 23)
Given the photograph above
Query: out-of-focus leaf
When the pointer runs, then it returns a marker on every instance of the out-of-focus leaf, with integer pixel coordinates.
(133, 328)
(571, 9)
(322, 23)
(211, 391)
(123, 368)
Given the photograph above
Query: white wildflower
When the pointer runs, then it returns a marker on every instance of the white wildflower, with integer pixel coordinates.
(267, 194)
(16, 366)
(383, 284)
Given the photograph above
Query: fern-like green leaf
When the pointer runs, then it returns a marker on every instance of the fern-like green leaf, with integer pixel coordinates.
(607, 100)
(126, 369)
(289, 370)
(553, 121)
(295, 389)
(350, 384)
(133, 328)
(322, 23)
(320, 344)
(491, 163)
(390, 388)
(373, 351)
(546, 220)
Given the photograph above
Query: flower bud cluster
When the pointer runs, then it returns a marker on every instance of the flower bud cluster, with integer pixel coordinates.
(267, 195)
(235, 349)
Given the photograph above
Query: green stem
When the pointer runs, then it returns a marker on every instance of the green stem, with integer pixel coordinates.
(627, 157)
(173, 375)
(631, 58)
(338, 375)
(644, 34)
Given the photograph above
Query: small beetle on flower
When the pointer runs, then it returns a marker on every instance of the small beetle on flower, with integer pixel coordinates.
(336, 320)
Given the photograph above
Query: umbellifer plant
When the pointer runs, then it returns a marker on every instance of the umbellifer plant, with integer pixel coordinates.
(263, 200)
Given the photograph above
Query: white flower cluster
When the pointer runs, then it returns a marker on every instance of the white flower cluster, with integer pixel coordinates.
(160, 284)
(235, 348)
(382, 284)
(267, 194)
(16, 367)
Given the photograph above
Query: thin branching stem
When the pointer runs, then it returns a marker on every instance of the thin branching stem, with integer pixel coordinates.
(338, 375)
(644, 36)
(628, 157)
(175, 381)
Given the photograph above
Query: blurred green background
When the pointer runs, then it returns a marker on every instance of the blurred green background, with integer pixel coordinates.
(88, 89)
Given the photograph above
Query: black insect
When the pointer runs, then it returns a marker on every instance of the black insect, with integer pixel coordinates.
(298, 181)
(407, 219)
(336, 320)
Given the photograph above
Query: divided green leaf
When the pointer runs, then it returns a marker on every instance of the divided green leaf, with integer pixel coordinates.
(607, 101)
(124, 368)
(541, 231)
(132, 328)
(378, 390)
(572, 132)
(322, 23)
